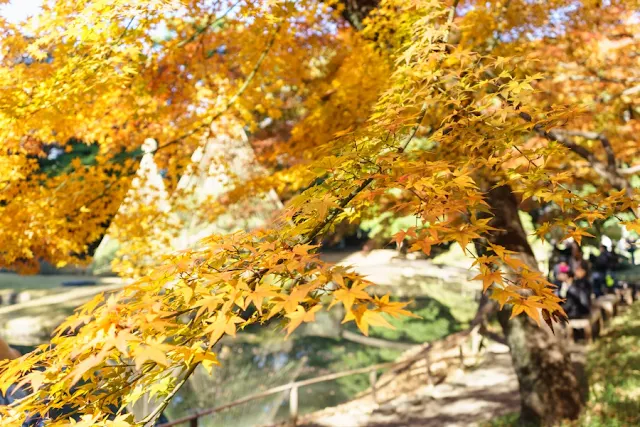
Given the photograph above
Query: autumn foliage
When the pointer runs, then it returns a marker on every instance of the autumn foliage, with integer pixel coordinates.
(422, 111)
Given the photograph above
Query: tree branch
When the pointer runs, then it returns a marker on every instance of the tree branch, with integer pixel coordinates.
(608, 174)
(494, 336)
(412, 133)
(355, 11)
(344, 202)
(210, 23)
(375, 342)
(234, 98)
(632, 170)
(606, 144)
(149, 419)
(631, 91)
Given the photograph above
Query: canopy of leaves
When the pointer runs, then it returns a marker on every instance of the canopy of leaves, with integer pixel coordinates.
(422, 111)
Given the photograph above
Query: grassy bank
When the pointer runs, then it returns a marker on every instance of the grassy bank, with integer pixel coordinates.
(613, 366)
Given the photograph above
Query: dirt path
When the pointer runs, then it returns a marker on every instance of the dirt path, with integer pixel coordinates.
(467, 398)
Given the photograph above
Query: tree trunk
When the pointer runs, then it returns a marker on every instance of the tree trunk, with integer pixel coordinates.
(356, 10)
(549, 388)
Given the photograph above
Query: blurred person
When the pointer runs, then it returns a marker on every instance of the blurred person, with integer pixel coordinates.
(576, 260)
(601, 266)
(562, 276)
(577, 296)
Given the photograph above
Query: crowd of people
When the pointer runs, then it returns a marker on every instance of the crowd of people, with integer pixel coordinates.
(580, 279)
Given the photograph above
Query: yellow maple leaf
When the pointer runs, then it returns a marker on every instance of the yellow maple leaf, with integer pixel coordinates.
(221, 325)
(155, 353)
(395, 309)
(301, 315)
(504, 296)
(365, 317)
(258, 295)
(348, 296)
(489, 277)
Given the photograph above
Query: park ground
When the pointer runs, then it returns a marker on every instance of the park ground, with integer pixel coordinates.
(487, 395)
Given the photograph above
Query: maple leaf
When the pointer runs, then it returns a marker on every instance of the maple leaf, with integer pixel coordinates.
(299, 316)
(83, 367)
(364, 317)
(402, 234)
(348, 296)
(632, 226)
(258, 295)
(153, 352)
(515, 263)
(591, 216)
(297, 295)
(303, 250)
(500, 251)
(395, 309)
(543, 230)
(207, 359)
(423, 245)
(210, 304)
(489, 277)
(504, 296)
(578, 234)
(524, 306)
(221, 325)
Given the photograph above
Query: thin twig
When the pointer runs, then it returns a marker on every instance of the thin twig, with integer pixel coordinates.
(234, 98)
(208, 25)
(165, 402)
(344, 202)
(632, 170)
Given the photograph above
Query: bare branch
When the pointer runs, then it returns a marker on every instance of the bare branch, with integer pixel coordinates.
(606, 144)
(631, 91)
(375, 342)
(632, 170)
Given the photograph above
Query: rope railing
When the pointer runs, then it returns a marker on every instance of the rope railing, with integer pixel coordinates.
(294, 387)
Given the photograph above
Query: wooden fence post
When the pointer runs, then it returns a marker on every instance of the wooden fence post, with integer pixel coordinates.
(476, 342)
(193, 423)
(373, 379)
(427, 360)
(293, 405)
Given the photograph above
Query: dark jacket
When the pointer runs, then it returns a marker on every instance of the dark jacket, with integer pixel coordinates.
(578, 300)
(603, 262)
